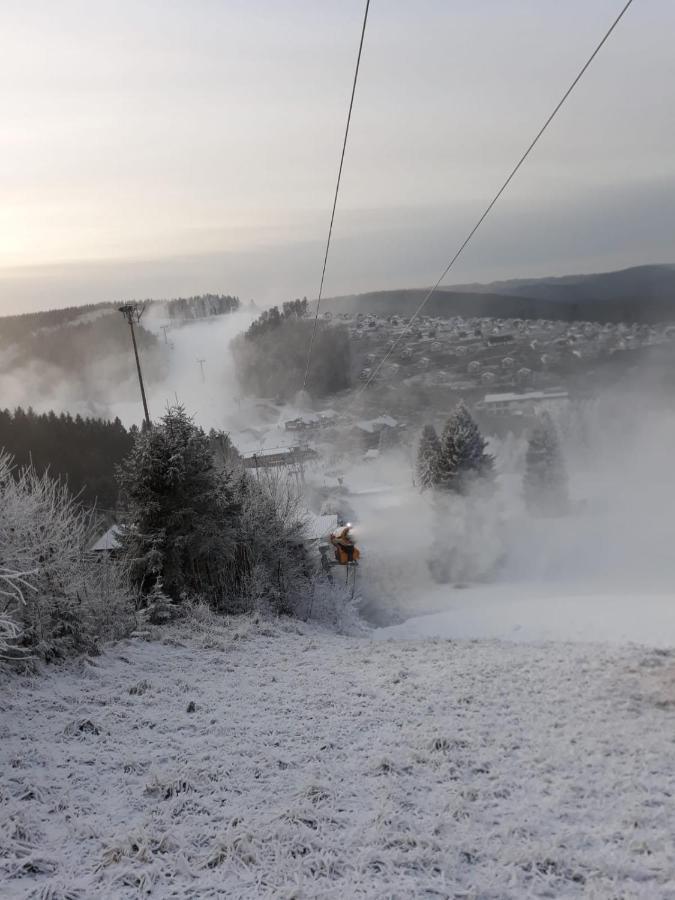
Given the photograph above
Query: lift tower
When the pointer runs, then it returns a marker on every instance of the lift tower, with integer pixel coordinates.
(132, 314)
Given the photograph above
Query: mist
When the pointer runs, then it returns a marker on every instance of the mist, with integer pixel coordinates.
(603, 571)
(212, 398)
(109, 386)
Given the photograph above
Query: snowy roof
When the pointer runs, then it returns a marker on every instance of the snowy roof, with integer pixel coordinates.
(386, 420)
(524, 398)
(320, 526)
(270, 451)
(364, 425)
(373, 425)
(109, 541)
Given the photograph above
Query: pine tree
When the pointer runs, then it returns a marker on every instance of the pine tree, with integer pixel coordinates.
(427, 458)
(160, 609)
(545, 482)
(462, 458)
(183, 510)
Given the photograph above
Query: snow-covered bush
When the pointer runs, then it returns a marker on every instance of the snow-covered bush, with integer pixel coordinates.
(57, 597)
(12, 585)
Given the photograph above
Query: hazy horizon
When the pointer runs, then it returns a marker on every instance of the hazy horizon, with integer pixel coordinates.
(169, 149)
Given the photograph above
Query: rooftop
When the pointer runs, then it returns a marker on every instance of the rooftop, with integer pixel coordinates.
(530, 395)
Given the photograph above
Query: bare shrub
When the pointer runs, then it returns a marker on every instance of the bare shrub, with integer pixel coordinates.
(274, 571)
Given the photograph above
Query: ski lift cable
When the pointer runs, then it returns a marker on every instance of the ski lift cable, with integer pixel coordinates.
(335, 199)
(495, 198)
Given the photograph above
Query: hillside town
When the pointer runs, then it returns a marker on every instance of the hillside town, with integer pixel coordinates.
(507, 370)
(468, 354)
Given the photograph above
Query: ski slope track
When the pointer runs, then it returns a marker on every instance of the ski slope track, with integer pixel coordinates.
(256, 760)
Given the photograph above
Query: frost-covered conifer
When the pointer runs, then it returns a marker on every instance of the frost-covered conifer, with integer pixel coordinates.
(160, 608)
(208, 529)
(427, 458)
(183, 509)
(462, 457)
(545, 482)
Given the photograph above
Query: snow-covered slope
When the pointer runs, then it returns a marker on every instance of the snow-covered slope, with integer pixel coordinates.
(529, 612)
(251, 761)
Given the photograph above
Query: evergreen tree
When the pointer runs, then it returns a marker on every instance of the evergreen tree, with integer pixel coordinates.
(183, 510)
(545, 482)
(428, 453)
(160, 609)
(462, 458)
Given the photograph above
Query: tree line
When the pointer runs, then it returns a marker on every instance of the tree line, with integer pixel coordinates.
(79, 347)
(81, 452)
(457, 461)
(201, 306)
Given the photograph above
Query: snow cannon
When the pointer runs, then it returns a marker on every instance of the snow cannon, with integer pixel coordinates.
(346, 551)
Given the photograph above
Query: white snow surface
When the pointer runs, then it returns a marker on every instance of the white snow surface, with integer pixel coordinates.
(530, 612)
(315, 765)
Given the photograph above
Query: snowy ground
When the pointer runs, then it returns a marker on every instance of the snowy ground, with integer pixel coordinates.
(315, 765)
(529, 612)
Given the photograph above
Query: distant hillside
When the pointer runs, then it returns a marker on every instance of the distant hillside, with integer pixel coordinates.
(639, 294)
(80, 357)
(14, 329)
(443, 304)
(653, 282)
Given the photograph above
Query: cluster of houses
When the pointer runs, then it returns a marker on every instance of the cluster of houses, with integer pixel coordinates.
(466, 353)
(366, 435)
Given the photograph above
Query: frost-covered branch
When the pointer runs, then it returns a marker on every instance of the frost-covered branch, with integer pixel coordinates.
(57, 596)
(13, 584)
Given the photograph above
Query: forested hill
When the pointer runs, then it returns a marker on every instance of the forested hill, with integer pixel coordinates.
(78, 358)
(656, 282)
(74, 363)
(639, 294)
(15, 329)
(83, 452)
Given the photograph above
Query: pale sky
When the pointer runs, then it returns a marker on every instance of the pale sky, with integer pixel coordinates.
(168, 147)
